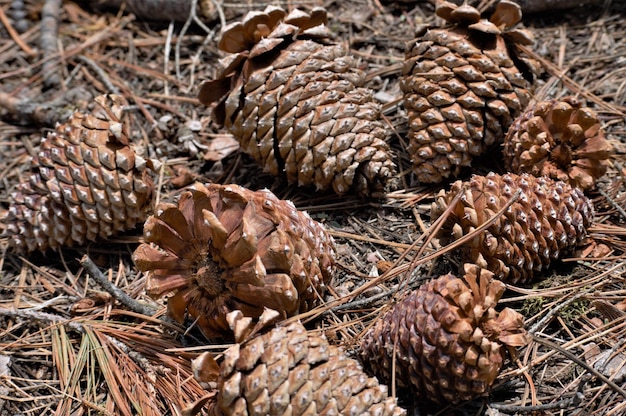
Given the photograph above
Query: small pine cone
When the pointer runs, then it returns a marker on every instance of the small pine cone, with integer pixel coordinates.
(446, 336)
(297, 104)
(224, 248)
(547, 218)
(287, 371)
(87, 183)
(559, 139)
(463, 86)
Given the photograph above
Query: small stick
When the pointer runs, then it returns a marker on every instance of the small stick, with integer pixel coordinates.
(555, 310)
(581, 363)
(191, 18)
(14, 35)
(166, 56)
(573, 401)
(535, 6)
(48, 42)
(115, 291)
(45, 114)
(104, 77)
(613, 203)
(33, 314)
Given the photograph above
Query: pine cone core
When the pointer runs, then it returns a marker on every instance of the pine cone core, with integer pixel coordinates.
(208, 274)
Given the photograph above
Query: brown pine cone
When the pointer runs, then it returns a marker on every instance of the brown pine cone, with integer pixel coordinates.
(448, 340)
(290, 372)
(223, 248)
(559, 139)
(87, 183)
(547, 219)
(297, 104)
(463, 85)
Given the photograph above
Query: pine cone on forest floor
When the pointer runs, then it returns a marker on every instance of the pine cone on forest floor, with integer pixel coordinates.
(559, 139)
(445, 338)
(463, 85)
(547, 219)
(87, 183)
(297, 104)
(288, 371)
(223, 248)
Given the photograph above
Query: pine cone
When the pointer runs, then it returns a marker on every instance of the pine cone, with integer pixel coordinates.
(547, 218)
(559, 139)
(296, 103)
(463, 85)
(289, 372)
(87, 183)
(446, 336)
(224, 248)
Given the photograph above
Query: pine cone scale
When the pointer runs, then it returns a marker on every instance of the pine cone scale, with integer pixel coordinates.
(444, 362)
(466, 65)
(226, 247)
(301, 376)
(87, 181)
(548, 218)
(302, 85)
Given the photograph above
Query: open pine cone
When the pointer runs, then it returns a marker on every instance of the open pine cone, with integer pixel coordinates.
(463, 85)
(559, 139)
(547, 219)
(446, 336)
(225, 248)
(87, 183)
(288, 371)
(297, 104)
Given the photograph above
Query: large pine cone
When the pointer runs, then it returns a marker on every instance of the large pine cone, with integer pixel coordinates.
(447, 337)
(296, 103)
(289, 372)
(559, 139)
(547, 218)
(87, 183)
(463, 85)
(225, 248)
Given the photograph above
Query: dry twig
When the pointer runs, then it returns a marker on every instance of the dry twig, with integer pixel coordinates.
(14, 35)
(40, 113)
(116, 292)
(48, 41)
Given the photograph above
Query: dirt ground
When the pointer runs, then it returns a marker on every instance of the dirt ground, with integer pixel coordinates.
(68, 347)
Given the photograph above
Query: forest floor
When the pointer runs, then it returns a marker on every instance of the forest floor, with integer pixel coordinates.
(68, 347)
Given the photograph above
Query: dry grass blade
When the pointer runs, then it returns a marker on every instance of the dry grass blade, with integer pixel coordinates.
(134, 366)
(169, 375)
(70, 365)
(572, 84)
(119, 389)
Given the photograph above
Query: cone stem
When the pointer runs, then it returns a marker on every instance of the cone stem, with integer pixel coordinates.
(208, 276)
(562, 155)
